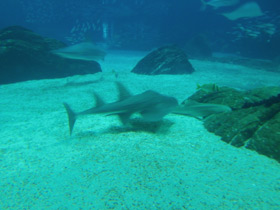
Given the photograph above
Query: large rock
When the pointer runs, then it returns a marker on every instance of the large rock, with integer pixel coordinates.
(165, 60)
(254, 122)
(198, 47)
(25, 55)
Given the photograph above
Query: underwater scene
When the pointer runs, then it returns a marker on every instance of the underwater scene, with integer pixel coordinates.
(140, 104)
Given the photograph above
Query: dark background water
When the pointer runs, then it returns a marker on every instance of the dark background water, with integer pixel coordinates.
(146, 24)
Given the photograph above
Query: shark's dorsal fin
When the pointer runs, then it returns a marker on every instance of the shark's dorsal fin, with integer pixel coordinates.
(123, 92)
(98, 100)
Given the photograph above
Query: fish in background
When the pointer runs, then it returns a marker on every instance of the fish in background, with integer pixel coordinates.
(208, 88)
(83, 51)
(256, 29)
(84, 29)
(247, 10)
(218, 3)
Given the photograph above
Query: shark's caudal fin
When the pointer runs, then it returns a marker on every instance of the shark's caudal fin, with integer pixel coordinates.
(71, 117)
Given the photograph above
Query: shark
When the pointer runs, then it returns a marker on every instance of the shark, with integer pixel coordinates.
(247, 10)
(151, 105)
(83, 51)
(200, 110)
(218, 3)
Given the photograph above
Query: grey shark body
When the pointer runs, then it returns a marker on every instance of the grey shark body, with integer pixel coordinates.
(151, 105)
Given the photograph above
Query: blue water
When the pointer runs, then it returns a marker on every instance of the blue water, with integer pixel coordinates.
(144, 24)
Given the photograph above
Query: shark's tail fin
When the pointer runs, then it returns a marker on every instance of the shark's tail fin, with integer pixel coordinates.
(71, 117)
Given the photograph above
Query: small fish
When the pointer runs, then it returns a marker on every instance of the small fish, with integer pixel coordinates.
(82, 51)
(218, 3)
(200, 110)
(208, 88)
(151, 105)
(116, 75)
(248, 10)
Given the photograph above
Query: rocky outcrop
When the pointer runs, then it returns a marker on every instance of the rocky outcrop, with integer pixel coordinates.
(254, 122)
(25, 55)
(165, 60)
(198, 47)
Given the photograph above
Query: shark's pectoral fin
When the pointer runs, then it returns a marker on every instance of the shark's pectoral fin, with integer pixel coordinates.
(124, 117)
(71, 117)
(152, 115)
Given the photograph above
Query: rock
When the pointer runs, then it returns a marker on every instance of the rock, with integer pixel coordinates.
(260, 47)
(267, 65)
(266, 139)
(198, 47)
(25, 55)
(254, 122)
(225, 96)
(165, 60)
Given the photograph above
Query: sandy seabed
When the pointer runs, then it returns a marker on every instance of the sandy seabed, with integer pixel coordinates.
(174, 164)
